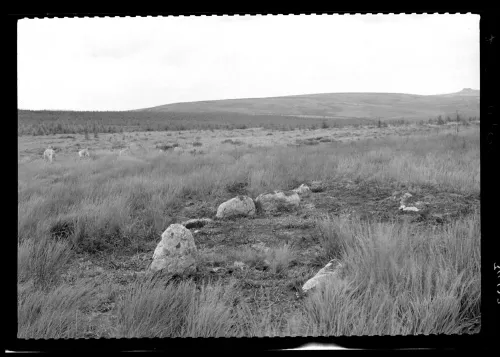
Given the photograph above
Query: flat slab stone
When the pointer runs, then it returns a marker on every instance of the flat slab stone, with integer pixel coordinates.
(329, 271)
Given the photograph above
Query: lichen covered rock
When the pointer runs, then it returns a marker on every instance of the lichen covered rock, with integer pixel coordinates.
(237, 206)
(176, 251)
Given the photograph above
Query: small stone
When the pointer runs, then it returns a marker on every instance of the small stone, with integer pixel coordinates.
(302, 190)
(240, 265)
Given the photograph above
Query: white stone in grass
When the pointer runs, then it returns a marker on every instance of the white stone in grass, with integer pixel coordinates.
(240, 265)
(328, 272)
(403, 202)
(176, 251)
(237, 206)
(410, 209)
(302, 190)
(49, 154)
(84, 153)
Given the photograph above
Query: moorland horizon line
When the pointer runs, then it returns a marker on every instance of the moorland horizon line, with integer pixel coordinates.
(247, 98)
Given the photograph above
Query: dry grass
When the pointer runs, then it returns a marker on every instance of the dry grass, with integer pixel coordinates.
(150, 309)
(395, 283)
(131, 199)
(280, 258)
(399, 279)
(53, 314)
(41, 261)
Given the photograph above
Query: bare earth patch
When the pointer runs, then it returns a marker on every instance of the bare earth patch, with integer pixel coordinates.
(258, 286)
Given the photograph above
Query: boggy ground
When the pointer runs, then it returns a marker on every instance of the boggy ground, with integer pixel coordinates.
(223, 242)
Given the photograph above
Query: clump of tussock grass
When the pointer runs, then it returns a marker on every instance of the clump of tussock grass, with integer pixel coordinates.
(151, 309)
(53, 314)
(398, 281)
(62, 229)
(264, 319)
(280, 258)
(41, 260)
(237, 187)
(332, 237)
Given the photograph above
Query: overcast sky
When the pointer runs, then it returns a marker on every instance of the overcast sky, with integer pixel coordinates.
(132, 63)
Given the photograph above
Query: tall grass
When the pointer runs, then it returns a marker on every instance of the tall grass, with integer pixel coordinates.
(280, 258)
(399, 281)
(57, 313)
(395, 281)
(41, 260)
(126, 201)
(151, 309)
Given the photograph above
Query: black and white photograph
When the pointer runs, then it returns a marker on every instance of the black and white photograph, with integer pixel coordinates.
(248, 176)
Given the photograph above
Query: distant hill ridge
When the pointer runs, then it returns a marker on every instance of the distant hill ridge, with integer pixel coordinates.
(340, 105)
(465, 92)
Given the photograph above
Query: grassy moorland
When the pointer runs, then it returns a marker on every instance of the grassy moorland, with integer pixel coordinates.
(341, 105)
(87, 231)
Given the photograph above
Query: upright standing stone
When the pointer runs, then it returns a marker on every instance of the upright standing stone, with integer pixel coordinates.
(176, 251)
